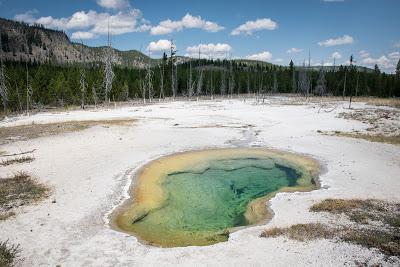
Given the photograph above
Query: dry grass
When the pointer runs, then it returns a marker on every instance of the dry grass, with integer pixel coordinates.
(8, 253)
(384, 125)
(362, 211)
(372, 224)
(18, 190)
(389, 102)
(342, 205)
(301, 100)
(16, 160)
(387, 242)
(300, 232)
(395, 140)
(5, 215)
(31, 131)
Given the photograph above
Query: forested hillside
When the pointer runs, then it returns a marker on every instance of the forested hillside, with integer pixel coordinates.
(36, 44)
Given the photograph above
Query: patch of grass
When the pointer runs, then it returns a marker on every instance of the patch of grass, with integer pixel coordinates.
(22, 159)
(384, 126)
(395, 139)
(387, 242)
(340, 205)
(389, 102)
(5, 215)
(8, 253)
(300, 232)
(31, 131)
(19, 190)
(383, 234)
(362, 211)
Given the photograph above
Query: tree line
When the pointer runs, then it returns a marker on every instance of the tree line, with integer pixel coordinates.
(24, 86)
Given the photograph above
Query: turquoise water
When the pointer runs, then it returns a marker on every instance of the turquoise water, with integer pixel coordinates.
(201, 204)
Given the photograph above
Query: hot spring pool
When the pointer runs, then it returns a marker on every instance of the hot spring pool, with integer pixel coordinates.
(197, 198)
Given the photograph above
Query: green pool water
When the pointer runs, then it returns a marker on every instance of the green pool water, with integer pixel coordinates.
(217, 198)
(201, 204)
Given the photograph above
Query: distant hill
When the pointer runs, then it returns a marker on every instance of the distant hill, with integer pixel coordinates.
(24, 42)
(250, 62)
(336, 68)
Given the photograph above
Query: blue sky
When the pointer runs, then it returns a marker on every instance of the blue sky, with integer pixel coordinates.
(273, 31)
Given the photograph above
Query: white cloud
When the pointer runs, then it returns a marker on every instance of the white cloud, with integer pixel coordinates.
(386, 62)
(345, 39)
(53, 22)
(263, 56)
(95, 23)
(382, 62)
(294, 50)
(28, 16)
(394, 55)
(159, 46)
(79, 35)
(187, 22)
(336, 55)
(252, 26)
(278, 60)
(209, 50)
(312, 62)
(113, 4)
(122, 22)
(364, 54)
(396, 44)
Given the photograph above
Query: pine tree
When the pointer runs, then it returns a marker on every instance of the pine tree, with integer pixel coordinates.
(293, 75)
(275, 84)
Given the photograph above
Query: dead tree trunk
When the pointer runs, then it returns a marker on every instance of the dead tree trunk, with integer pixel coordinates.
(3, 80)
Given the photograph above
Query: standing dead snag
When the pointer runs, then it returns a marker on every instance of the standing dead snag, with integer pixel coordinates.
(94, 95)
(320, 88)
(351, 91)
(200, 79)
(231, 80)
(108, 71)
(148, 86)
(223, 83)
(304, 82)
(190, 80)
(211, 85)
(83, 84)
(18, 96)
(29, 91)
(162, 74)
(174, 70)
(3, 80)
